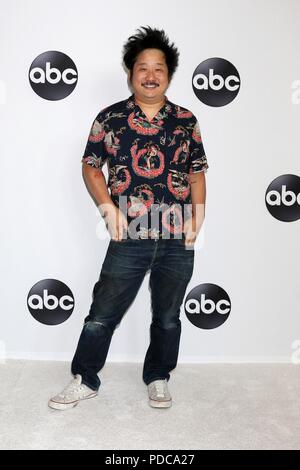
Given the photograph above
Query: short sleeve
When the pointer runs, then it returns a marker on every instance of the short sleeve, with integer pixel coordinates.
(197, 159)
(95, 153)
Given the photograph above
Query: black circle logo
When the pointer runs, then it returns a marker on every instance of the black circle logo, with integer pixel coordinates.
(50, 302)
(283, 198)
(207, 306)
(216, 82)
(53, 75)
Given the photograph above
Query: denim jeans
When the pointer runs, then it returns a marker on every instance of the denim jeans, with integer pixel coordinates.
(171, 265)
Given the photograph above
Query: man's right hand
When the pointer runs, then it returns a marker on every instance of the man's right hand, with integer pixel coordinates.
(115, 222)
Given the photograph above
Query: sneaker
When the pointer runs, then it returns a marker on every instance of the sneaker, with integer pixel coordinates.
(159, 395)
(72, 394)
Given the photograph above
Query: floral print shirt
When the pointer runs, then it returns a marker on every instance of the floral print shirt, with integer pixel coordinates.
(149, 163)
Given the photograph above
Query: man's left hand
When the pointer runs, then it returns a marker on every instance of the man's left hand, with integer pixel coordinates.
(191, 229)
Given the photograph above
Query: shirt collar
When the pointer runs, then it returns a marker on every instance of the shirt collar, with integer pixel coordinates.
(132, 105)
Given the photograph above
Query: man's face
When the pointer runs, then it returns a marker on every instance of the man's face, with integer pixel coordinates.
(150, 69)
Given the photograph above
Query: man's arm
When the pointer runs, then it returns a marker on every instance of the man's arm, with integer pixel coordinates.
(96, 183)
(198, 194)
(198, 198)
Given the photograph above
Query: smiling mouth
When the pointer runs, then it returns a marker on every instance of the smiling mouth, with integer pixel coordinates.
(150, 85)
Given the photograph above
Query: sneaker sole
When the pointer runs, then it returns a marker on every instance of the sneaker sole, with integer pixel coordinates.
(64, 406)
(160, 404)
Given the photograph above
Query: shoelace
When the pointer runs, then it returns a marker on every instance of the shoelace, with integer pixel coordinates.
(72, 387)
(160, 388)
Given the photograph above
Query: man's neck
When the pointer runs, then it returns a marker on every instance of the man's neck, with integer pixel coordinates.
(150, 107)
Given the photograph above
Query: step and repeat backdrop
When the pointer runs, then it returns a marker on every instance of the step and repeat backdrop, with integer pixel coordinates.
(239, 73)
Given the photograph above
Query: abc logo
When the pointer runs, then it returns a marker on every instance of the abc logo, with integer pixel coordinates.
(216, 82)
(207, 306)
(50, 302)
(53, 75)
(283, 198)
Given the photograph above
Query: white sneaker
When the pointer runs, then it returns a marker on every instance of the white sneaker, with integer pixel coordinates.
(159, 395)
(72, 394)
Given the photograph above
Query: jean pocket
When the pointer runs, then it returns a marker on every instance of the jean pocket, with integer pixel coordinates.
(188, 247)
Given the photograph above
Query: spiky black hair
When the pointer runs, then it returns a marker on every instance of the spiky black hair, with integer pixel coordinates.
(150, 38)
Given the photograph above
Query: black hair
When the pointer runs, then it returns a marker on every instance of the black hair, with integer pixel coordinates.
(150, 38)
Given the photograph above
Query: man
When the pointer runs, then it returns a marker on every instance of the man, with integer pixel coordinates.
(154, 212)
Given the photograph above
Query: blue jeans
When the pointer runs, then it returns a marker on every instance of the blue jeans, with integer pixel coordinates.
(127, 261)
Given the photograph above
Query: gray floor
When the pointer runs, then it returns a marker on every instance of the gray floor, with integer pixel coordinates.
(215, 406)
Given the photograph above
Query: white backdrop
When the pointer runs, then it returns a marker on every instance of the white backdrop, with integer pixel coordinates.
(49, 220)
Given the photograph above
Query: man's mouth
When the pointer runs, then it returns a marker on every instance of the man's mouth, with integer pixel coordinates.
(150, 85)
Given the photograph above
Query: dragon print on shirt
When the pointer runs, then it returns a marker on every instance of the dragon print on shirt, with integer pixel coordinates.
(149, 163)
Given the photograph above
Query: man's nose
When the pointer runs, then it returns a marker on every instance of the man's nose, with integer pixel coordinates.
(150, 76)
